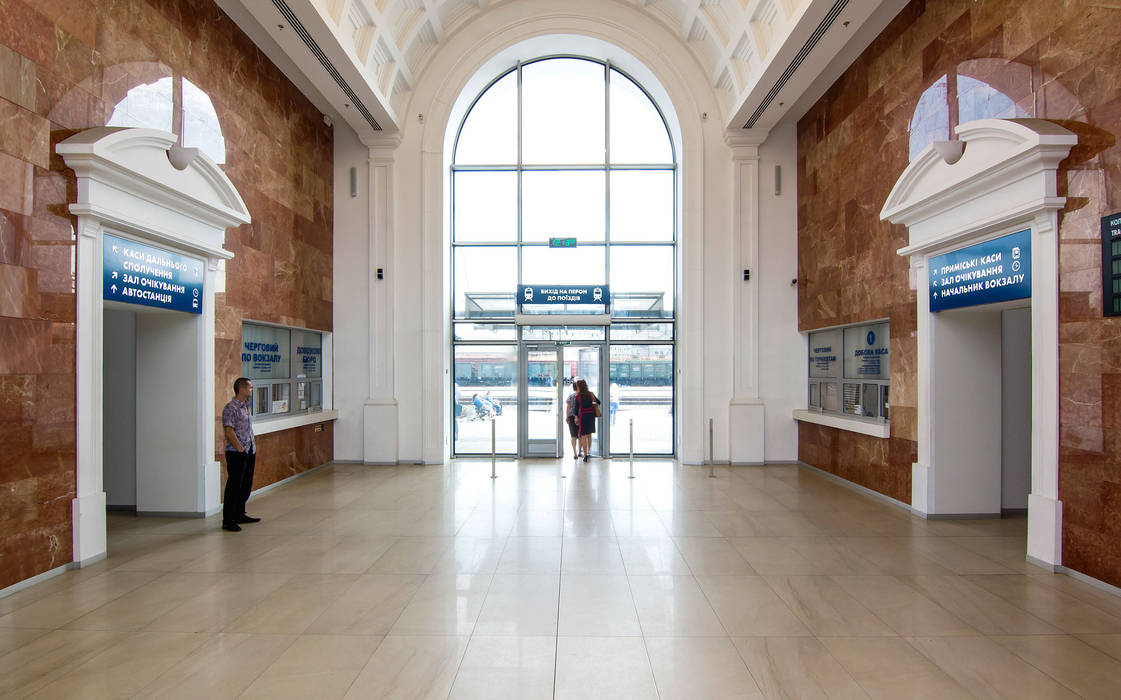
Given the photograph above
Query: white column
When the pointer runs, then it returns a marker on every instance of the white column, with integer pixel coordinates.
(435, 385)
(922, 476)
(88, 507)
(380, 409)
(210, 476)
(746, 414)
(1045, 510)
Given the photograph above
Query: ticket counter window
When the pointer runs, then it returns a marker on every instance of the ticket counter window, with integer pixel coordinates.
(286, 366)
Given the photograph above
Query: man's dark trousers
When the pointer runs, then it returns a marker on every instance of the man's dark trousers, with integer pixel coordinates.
(239, 482)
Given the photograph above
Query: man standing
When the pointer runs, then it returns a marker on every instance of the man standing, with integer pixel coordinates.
(241, 455)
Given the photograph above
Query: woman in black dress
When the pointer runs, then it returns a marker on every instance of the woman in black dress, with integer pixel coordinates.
(586, 403)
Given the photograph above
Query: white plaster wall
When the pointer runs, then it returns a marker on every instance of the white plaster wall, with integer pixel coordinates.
(1016, 411)
(782, 363)
(119, 402)
(967, 406)
(351, 280)
(168, 386)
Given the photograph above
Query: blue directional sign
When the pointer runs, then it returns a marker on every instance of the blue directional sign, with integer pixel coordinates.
(563, 294)
(986, 273)
(135, 273)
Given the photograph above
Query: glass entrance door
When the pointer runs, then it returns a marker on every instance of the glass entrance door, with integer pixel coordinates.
(542, 415)
(547, 378)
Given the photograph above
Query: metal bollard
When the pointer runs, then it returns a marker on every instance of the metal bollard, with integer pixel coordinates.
(492, 453)
(632, 449)
(711, 455)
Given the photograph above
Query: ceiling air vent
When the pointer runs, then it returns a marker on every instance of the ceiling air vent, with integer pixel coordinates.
(295, 23)
(827, 22)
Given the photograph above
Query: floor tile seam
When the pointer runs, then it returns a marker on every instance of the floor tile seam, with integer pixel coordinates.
(1007, 601)
(45, 680)
(645, 646)
(115, 599)
(817, 638)
(1064, 594)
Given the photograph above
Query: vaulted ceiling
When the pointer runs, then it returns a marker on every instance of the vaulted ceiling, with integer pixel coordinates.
(363, 57)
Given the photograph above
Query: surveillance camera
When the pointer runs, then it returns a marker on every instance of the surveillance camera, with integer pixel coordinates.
(328, 121)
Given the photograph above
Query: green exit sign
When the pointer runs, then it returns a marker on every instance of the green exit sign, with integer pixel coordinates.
(562, 242)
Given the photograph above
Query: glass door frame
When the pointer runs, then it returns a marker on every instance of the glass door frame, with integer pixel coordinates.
(603, 437)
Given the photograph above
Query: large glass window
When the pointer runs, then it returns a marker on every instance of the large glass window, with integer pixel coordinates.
(850, 369)
(564, 174)
(286, 366)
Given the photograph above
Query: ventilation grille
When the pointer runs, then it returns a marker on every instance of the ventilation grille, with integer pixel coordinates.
(827, 22)
(327, 65)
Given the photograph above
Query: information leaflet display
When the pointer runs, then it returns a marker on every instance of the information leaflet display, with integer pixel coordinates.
(986, 273)
(866, 352)
(563, 294)
(825, 351)
(135, 273)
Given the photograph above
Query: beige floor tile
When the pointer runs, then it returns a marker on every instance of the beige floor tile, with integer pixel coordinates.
(520, 605)
(604, 668)
(892, 556)
(638, 523)
(408, 668)
(796, 667)
(140, 606)
(321, 554)
(223, 667)
(126, 667)
(591, 555)
(314, 666)
(889, 668)
(471, 555)
(977, 607)
(733, 523)
(748, 607)
(30, 667)
(773, 555)
(825, 608)
(588, 523)
(987, 670)
(597, 606)
(446, 604)
(213, 607)
(955, 557)
(712, 555)
(1049, 604)
(530, 555)
(71, 603)
(539, 523)
(644, 556)
(506, 667)
(12, 638)
(231, 553)
(293, 606)
(411, 555)
(1072, 662)
(908, 612)
(1105, 600)
(699, 667)
(1109, 643)
(488, 522)
(369, 607)
(688, 523)
(673, 606)
(784, 524)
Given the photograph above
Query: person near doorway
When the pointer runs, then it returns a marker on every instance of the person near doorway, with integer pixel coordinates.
(570, 418)
(241, 456)
(586, 403)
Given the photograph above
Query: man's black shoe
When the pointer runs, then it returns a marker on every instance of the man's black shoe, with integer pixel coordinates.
(232, 527)
(248, 519)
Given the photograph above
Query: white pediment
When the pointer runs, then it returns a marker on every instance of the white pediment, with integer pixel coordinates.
(1006, 173)
(125, 178)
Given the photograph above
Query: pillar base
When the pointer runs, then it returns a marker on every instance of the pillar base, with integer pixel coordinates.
(1045, 531)
(745, 431)
(379, 432)
(90, 542)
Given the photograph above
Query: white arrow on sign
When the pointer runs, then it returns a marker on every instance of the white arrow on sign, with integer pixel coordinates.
(113, 289)
(114, 274)
(114, 249)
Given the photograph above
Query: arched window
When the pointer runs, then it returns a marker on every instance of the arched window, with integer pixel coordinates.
(564, 173)
(153, 106)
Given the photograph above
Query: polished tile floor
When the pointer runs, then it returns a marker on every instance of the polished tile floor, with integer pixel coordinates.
(437, 582)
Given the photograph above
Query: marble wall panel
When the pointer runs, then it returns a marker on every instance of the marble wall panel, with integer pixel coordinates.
(64, 66)
(1055, 60)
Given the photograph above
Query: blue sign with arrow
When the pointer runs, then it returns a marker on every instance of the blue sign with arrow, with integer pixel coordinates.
(135, 273)
(986, 273)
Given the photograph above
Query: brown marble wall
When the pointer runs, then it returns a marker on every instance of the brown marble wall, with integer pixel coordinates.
(1054, 60)
(64, 67)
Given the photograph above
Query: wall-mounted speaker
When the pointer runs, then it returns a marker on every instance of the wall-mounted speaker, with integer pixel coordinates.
(778, 180)
(354, 182)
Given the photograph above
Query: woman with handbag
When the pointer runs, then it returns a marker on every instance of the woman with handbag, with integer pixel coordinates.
(588, 410)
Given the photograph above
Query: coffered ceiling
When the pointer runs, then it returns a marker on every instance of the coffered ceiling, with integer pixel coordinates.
(360, 59)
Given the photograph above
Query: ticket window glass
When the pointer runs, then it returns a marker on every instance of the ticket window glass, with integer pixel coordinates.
(286, 366)
(849, 371)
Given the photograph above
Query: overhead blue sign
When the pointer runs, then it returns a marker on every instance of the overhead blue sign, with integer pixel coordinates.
(986, 273)
(135, 273)
(563, 294)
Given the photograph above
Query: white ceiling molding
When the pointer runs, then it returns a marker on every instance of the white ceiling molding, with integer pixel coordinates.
(364, 56)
